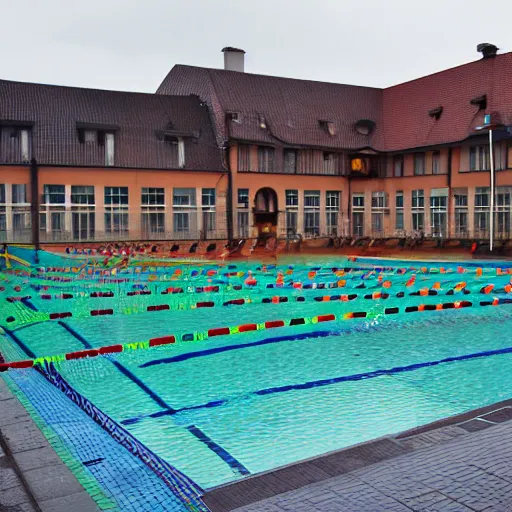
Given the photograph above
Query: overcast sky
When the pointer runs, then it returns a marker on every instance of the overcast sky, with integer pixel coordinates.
(132, 44)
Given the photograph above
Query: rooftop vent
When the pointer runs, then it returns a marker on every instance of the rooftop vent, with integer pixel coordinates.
(487, 50)
(436, 112)
(262, 123)
(365, 126)
(234, 59)
(233, 116)
(329, 127)
(479, 101)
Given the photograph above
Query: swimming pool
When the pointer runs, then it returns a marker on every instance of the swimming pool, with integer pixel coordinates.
(383, 346)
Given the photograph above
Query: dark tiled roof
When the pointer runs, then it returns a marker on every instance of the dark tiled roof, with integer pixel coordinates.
(56, 112)
(406, 106)
(292, 108)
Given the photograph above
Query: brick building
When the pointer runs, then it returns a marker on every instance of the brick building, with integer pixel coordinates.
(220, 152)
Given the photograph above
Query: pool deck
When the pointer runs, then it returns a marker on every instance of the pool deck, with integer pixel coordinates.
(32, 476)
(459, 464)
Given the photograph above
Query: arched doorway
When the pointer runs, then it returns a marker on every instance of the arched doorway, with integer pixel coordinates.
(265, 211)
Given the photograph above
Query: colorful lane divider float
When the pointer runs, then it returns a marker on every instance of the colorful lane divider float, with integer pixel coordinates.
(240, 329)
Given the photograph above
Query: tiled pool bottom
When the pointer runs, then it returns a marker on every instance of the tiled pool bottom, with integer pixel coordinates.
(113, 477)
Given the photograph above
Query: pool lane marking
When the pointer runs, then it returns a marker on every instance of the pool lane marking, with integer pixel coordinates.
(18, 342)
(122, 369)
(227, 348)
(327, 382)
(233, 463)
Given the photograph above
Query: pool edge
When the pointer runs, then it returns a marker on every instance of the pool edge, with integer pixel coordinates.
(233, 495)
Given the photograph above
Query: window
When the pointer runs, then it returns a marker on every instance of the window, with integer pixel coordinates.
(461, 213)
(358, 200)
(436, 162)
(502, 213)
(116, 210)
(54, 194)
(418, 213)
(312, 212)
(358, 214)
(83, 218)
(378, 204)
(379, 200)
(208, 197)
(244, 158)
(479, 158)
(109, 149)
(265, 159)
(209, 214)
(292, 198)
(292, 205)
(330, 163)
(181, 152)
(82, 194)
(243, 197)
(184, 197)
(19, 194)
(185, 212)
(332, 208)
(3, 214)
(25, 150)
(482, 210)
(90, 136)
(153, 197)
(2, 193)
(399, 210)
(419, 164)
(153, 211)
(290, 161)
(398, 166)
(243, 224)
(116, 195)
(438, 211)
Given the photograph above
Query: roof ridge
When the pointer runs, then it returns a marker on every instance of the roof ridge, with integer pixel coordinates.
(245, 73)
(459, 66)
(94, 89)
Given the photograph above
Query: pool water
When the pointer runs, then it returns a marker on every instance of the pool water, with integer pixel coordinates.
(230, 406)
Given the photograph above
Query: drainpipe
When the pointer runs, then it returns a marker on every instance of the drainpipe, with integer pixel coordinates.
(449, 183)
(229, 197)
(349, 209)
(34, 205)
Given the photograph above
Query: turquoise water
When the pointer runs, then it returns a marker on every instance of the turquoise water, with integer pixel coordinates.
(230, 406)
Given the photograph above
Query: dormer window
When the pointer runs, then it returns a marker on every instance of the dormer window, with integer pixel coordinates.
(90, 136)
(15, 143)
(435, 113)
(479, 101)
(328, 127)
(263, 123)
(179, 142)
(99, 135)
(365, 126)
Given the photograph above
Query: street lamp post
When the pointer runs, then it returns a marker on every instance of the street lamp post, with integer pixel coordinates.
(491, 220)
(487, 125)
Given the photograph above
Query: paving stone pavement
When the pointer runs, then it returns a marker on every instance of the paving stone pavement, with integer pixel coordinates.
(447, 472)
(32, 476)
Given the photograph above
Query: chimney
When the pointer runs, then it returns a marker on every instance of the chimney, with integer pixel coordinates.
(233, 59)
(487, 50)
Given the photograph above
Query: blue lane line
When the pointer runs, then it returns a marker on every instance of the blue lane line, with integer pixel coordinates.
(328, 382)
(26, 301)
(20, 343)
(228, 348)
(233, 463)
(122, 369)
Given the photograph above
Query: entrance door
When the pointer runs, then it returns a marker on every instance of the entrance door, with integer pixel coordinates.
(265, 211)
